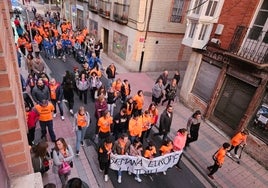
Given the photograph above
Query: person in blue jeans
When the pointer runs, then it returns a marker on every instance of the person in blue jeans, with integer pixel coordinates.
(80, 125)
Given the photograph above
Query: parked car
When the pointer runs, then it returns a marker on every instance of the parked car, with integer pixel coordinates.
(261, 119)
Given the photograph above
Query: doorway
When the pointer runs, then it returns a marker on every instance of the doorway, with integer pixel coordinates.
(105, 40)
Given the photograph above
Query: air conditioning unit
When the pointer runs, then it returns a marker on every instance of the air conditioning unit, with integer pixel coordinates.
(219, 29)
(216, 41)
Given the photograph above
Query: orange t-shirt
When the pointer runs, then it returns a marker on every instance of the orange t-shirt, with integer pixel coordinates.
(53, 88)
(166, 149)
(45, 112)
(146, 122)
(238, 139)
(105, 124)
(139, 100)
(135, 127)
(81, 120)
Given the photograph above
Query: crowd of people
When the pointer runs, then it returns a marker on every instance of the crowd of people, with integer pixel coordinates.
(127, 132)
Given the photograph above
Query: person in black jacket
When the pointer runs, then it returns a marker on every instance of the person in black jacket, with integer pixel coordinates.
(165, 122)
(110, 71)
(120, 123)
(104, 153)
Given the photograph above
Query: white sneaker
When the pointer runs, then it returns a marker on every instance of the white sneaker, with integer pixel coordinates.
(129, 173)
(119, 180)
(54, 115)
(71, 111)
(62, 118)
(138, 179)
(236, 156)
(106, 178)
(228, 154)
(164, 173)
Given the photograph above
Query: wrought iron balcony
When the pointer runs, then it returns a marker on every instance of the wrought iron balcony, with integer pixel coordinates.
(250, 44)
(121, 13)
(93, 6)
(104, 8)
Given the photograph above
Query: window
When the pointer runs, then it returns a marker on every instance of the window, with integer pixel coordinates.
(203, 32)
(177, 11)
(192, 30)
(212, 5)
(197, 6)
(260, 26)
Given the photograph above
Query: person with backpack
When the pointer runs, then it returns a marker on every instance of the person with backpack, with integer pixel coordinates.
(40, 157)
(80, 125)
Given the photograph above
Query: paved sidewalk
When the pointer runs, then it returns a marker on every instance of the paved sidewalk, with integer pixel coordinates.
(248, 174)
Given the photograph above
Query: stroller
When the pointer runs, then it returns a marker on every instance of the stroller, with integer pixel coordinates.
(80, 56)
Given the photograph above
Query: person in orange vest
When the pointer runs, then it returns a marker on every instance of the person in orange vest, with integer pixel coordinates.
(56, 96)
(135, 127)
(139, 100)
(146, 124)
(125, 90)
(38, 38)
(80, 125)
(129, 105)
(238, 140)
(104, 153)
(154, 118)
(218, 159)
(150, 151)
(21, 43)
(104, 124)
(121, 147)
(166, 147)
(116, 85)
(45, 110)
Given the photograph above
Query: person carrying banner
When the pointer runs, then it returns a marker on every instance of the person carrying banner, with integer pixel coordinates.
(104, 158)
(121, 147)
(166, 148)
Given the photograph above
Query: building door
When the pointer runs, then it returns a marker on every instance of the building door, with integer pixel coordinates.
(105, 40)
(233, 101)
(80, 19)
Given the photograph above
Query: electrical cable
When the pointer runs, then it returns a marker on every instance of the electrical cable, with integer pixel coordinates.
(197, 6)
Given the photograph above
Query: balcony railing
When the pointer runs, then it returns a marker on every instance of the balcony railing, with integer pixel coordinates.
(104, 8)
(93, 6)
(250, 44)
(121, 13)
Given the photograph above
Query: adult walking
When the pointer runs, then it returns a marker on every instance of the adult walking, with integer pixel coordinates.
(179, 143)
(170, 92)
(40, 157)
(68, 84)
(104, 158)
(135, 127)
(105, 124)
(80, 125)
(62, 155)
(125, 90)
(110, 71)
(158, 92)
(82, 85)
(120, 121)
(40, 92)
(238, 140)
(56, 96)
(165, 122)
(45, 110)
(193, 126)
(139, 102)
(218, 159)
(121, 147)
(163, 77)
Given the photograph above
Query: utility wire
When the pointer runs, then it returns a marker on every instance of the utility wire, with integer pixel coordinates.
(197, 6)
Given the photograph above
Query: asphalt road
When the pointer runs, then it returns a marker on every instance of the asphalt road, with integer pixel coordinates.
(174, 177)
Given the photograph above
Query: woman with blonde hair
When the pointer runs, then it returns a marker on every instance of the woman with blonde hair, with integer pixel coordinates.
(80, 125)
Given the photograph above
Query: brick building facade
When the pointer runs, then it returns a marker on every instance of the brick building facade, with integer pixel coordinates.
(15, 158)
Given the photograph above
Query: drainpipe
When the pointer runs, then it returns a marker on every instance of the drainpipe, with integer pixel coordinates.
(146, 32)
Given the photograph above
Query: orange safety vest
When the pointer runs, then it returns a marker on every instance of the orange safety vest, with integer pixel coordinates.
(53, 94)
(45, 112)
(126, 86)
(81, 120)
(135, 127)
(105, 124)
(139, 100)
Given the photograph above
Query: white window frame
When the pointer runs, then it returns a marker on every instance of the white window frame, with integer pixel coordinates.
(177, 8)
(211, 8)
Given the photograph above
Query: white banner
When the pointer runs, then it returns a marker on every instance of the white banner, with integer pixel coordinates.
(141, 165)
